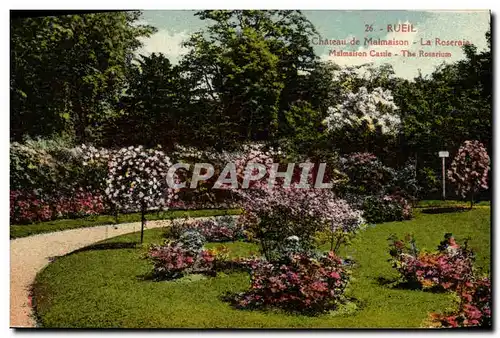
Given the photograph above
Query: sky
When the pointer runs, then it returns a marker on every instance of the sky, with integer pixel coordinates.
(175, 26)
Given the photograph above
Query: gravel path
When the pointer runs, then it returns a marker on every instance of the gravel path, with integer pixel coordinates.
(28, 255)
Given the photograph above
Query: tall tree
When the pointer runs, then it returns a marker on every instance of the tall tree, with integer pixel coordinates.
(247, 70)
(66, 71)
(152, 106)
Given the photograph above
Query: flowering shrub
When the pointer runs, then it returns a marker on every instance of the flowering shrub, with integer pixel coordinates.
(137, 179)
(274, 214)
(469, 169)
(40, 164)
(170, 261)
(474, 308)
(378, 209)
(248, 153)
(374, 108)
(449, 268)
(28, 208)
(405, 181)
(215, 229)
(367, 175)
(303, 284)
(176, 258)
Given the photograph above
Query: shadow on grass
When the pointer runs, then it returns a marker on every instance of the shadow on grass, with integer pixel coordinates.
(397, 284)
(346, 307)
(99, 246)
(444, 210)
(106, 246)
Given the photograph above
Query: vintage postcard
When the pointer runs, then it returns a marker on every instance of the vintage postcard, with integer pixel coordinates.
(228, 169)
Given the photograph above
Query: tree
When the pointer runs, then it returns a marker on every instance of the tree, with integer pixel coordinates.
(152, 106)
(362, 116)
(137, 179)
(469, 169)
(67, 71)
(246, 69)
(306, 138)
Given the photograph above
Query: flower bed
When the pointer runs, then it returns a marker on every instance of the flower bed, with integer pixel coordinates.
(30, 207)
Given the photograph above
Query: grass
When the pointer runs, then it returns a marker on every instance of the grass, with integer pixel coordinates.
(103, 288)
(17, 231)
(450, 203)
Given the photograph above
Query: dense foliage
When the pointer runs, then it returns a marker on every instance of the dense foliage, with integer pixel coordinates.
(216, 229)
(68, 71)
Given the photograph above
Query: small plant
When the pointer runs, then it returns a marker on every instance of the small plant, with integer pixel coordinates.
(192, 241)
(387, 208)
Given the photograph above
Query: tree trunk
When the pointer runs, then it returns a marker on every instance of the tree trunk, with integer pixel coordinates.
(332, 239)
(143, 221)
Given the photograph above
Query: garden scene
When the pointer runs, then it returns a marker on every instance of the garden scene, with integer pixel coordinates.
(248, 183)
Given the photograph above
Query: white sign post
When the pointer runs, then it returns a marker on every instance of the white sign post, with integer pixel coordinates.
(444, 155)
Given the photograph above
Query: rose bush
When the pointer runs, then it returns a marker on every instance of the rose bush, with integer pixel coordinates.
(303, 284)
(469, 169)
(474, 306)
(178, 258)
(446, 269)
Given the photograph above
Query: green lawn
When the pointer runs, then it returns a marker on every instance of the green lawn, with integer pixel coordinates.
(449, 203)
(103, 288)
(17, 231)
